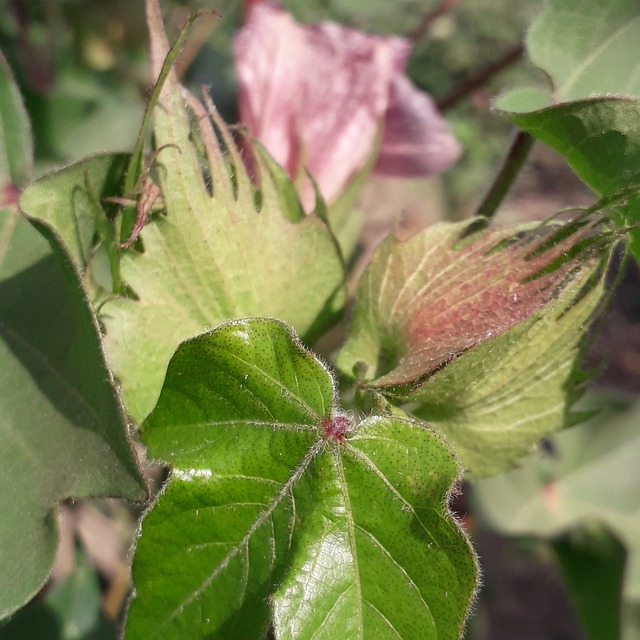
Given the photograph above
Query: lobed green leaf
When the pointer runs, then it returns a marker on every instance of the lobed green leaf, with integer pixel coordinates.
(376, 556)
(342, 533)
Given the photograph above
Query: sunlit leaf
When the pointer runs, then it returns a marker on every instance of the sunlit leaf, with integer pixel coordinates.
(276, 497)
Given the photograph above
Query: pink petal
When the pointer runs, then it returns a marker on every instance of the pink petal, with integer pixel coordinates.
(316, 97)
(266, 54)
(417, 141)
(346, 87)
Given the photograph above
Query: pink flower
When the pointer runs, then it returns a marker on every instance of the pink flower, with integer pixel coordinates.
(317, 95)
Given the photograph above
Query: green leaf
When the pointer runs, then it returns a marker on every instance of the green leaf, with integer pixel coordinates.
(589, 50)
(593, 566)
(215, 255)
(67, 201)
(62, 426)
(588, 474)
(16, 144)
(85, 113)
(364, 568)
(276, 497)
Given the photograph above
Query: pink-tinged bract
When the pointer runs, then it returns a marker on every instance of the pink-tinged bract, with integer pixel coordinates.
(424, 301)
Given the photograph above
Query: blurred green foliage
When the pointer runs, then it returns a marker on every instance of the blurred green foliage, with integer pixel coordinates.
(70, 610)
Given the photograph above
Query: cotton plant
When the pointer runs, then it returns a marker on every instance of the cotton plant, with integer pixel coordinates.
(172, 301)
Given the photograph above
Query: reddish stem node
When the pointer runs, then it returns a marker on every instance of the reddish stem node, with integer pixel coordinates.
(336, 427)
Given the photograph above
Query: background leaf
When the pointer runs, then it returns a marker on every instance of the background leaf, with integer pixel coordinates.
(61, 423)
(587, 48)
(590, 114)
(70, 611)
(587, 475)
(593, 566)
(353, 536)
(84, 113)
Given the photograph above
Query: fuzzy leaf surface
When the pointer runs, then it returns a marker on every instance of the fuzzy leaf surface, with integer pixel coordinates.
(66, 200)
(590, 51)
(346, 536)
(62, 425)
(215, 254)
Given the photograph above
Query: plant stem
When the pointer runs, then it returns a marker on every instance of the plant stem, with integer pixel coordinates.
(479, 78)
(516, 156)
(444, 7)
